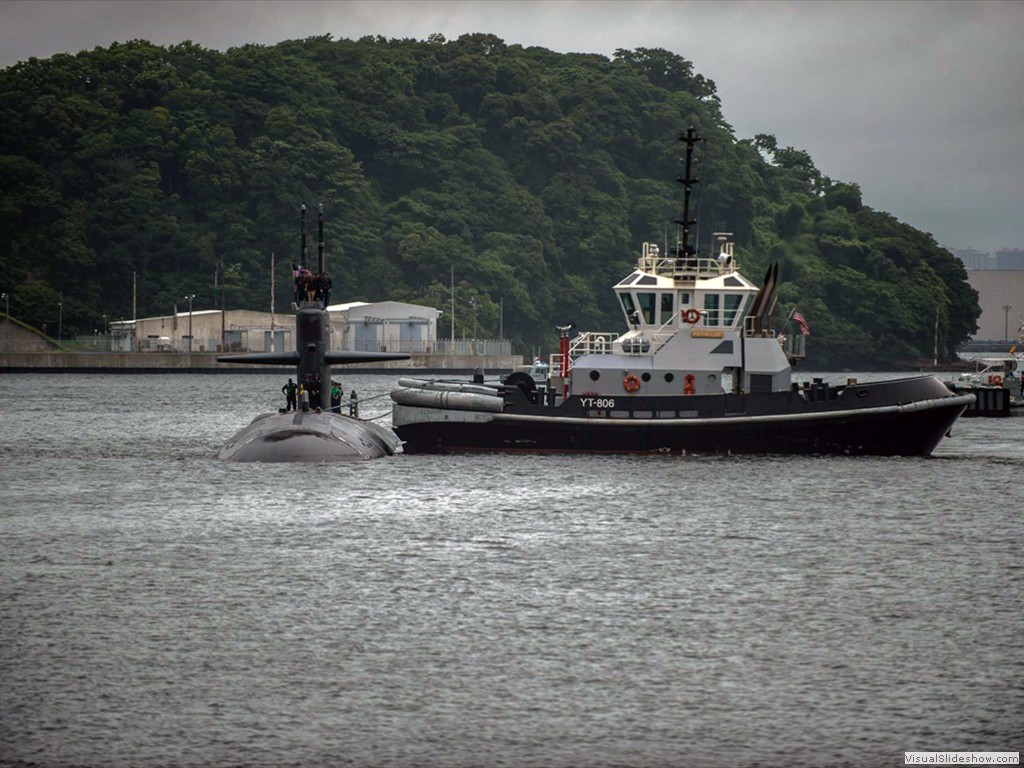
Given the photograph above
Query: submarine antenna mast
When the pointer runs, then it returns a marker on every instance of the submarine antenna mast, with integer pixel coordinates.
(320, 246)
(690, 138)
(303, 255)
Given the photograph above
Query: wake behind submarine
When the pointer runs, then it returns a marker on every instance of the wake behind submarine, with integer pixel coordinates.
(310, 435)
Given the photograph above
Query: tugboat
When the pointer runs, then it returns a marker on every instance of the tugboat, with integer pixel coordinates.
(698, 370)
(310, 433)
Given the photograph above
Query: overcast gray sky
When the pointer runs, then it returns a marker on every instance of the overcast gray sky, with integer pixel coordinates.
(921, 102)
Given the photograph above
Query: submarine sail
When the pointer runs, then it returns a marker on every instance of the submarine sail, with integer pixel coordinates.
(311, 433)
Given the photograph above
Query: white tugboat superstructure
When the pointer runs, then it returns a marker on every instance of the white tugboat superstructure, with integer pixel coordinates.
(690, 329)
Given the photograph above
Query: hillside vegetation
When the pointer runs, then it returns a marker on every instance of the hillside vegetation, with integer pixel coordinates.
(535, 176)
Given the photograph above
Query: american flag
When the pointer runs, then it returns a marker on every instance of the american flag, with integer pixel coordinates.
(805, 329)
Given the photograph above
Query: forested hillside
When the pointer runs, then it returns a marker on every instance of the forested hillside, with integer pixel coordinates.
(534, 175)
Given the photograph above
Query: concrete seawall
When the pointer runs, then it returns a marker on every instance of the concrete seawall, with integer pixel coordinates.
(206, 362)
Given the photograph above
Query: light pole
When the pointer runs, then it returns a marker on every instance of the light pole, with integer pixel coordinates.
(7, 323)
(1006, 321)
(60, 318)
(190, 297)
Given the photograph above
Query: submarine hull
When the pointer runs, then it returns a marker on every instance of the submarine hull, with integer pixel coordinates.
(307, 436)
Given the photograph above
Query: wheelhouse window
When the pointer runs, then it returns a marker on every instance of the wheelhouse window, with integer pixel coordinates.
(629, 308)
(712, 302)
(646, 302)
(667, 307)
(731, 308)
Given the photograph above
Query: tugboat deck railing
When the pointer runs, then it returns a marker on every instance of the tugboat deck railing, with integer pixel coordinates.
(603, 343)
(591, 343)
(691, 268)
(688, 267)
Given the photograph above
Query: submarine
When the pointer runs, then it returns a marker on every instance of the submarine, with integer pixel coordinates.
(310, 433)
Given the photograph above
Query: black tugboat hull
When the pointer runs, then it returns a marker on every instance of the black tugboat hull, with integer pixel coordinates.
(897, 433)
(906, 418)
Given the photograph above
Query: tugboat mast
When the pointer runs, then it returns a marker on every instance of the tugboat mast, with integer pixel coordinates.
(690, 138)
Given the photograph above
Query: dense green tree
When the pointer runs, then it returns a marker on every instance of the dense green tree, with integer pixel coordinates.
(531, 176)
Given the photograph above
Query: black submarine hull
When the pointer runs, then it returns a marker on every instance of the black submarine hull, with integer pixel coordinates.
(308, 436)
(904, 418)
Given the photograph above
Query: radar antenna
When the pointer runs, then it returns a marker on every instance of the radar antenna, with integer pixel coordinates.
(690, 138)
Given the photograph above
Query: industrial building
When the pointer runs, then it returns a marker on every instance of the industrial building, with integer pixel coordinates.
(386, 326)
(1001, 298)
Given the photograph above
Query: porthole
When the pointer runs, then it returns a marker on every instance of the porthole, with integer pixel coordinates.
(595, 375)
(645, 376)
(669, 377)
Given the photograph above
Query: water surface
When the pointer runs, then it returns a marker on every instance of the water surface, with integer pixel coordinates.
(159, 607)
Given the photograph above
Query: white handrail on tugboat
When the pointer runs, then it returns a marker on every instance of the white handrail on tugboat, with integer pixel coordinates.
(652, 262)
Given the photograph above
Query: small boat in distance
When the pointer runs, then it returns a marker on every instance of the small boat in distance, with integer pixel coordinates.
(538, 371)
(698, 369)
(993, 384)
(310, 433)
(990, 371)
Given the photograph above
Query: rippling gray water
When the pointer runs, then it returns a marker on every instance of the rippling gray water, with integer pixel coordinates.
(161, 608)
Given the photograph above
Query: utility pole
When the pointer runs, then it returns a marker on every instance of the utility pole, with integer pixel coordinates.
(1006, 321)
(7, 323)
(136, 346)
(223, 348)
(272, 347)
(190, 297)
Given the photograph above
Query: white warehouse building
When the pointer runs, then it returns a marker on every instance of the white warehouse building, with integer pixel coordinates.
(385, 326)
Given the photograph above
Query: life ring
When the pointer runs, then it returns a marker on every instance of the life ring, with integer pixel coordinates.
(996, 379)
(690, 387)
(631, 383)
(691, 316)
